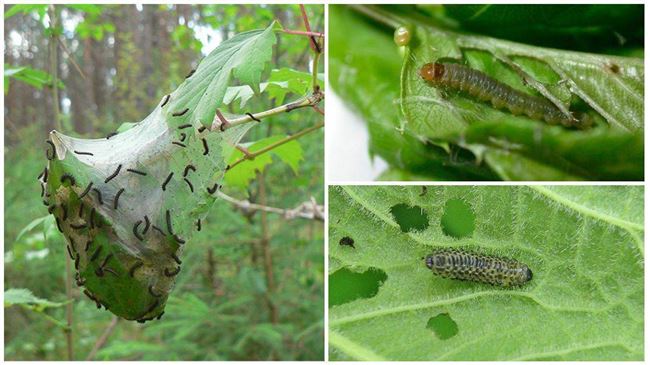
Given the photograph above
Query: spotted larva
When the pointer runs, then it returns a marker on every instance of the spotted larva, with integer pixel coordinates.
(481, 86)
(464, 265)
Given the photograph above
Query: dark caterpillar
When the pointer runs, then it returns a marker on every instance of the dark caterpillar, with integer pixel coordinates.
(501, 96)
(463, 265)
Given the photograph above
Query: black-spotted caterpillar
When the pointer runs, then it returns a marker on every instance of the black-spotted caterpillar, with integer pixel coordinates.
(501, 96)
(463, 265)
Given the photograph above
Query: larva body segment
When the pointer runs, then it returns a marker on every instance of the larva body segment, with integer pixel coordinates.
(484, 88)
(463, 265)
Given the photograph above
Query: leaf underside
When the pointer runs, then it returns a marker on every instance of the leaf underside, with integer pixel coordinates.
(583, 244)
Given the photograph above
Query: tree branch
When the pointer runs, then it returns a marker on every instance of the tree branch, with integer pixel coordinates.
(219, 123)
(306, 210)
(101, 341)
(300, 32)
(248, 155)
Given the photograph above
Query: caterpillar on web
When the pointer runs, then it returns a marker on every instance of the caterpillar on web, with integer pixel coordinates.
(464, 265)
(484, 88)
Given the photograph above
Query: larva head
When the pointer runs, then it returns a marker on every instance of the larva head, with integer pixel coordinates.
(436, 260)
(431, 72)
(528, 274)
(429, 261)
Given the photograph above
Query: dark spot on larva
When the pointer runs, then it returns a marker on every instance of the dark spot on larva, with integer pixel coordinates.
(614, 68)
(410, 218)
(111, 135)
(84, 153)
(424, 191)
(346, 286)
(443, 326)
(457, 219)
(346, 241)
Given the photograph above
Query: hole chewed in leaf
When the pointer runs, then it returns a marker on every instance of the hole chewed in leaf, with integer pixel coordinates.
(410, 218)
(346, 286)
(346, 241)
(443, 326)
(458, 219)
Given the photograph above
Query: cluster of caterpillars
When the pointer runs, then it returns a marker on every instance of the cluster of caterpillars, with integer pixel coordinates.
(86, 219)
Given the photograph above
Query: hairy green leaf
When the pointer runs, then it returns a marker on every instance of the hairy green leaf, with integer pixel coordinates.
(584, 245)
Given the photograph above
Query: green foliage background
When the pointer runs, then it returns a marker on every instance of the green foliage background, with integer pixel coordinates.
(219, 307)
(425, 134)
(584, 245)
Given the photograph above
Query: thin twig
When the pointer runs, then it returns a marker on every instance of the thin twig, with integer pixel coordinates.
(252, 155)
(266, 250)
(305, 101)
(74, 63)
(54, 68)
(101, 341)
(301, 32)
(305, 19)
(306, 210)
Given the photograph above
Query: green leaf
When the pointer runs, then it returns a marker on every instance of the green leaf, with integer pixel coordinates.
(364, 71)
(25, 296)
(567, 26)
(15, 9)
(243, 56)
(33, 77)
(86, 8)
(31, 226)
(596, 154)
(617, 97)
(584, 245)
(609, 90)
(242, 174)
